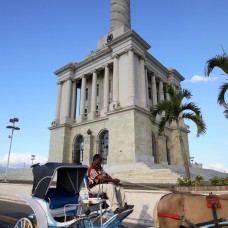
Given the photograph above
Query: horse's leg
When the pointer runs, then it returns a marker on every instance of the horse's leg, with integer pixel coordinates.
(155, 216)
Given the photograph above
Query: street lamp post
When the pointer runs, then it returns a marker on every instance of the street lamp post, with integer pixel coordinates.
(12, 127)
(33, 157)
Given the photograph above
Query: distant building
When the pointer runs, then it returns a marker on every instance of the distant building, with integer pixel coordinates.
(116, 84)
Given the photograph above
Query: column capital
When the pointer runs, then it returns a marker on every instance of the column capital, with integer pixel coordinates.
(129, 49)
(59, 83)
(115, 56)
(93, 71)
(106, 65)
(142, 57)
(83, 76)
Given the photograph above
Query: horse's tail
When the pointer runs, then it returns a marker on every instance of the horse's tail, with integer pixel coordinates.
(155, 216)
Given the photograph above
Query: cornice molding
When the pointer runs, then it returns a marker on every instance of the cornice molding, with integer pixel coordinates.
(65, 68)
(128, 34)
(95, 55)
(156, 62)
(176, 73)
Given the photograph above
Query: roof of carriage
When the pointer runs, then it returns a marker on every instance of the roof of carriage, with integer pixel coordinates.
(69, 177)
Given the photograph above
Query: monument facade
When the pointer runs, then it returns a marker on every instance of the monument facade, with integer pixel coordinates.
(112, 90)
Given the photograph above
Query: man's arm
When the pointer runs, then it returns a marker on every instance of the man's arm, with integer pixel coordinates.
(107, 179)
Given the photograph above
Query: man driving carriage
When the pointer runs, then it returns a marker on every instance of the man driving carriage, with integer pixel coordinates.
(101, 182)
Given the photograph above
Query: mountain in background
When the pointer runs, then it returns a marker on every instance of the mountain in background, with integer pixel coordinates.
(3, 169)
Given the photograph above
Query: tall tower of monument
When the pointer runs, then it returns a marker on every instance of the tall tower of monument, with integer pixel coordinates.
(120, 14)
(115, 85)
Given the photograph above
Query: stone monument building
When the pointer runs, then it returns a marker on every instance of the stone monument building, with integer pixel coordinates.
(113, 89)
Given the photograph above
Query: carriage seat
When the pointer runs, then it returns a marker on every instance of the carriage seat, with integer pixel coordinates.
(58, 197)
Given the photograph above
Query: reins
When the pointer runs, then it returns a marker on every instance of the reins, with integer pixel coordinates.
(168, 190)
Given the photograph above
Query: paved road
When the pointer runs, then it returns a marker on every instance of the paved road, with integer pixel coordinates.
(14, 211)
(17, 211)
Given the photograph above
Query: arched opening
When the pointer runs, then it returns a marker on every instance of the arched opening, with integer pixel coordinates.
(154, 148)
(78, 149)
(103, 145)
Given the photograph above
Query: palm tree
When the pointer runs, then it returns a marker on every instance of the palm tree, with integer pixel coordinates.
(174, 111)
(220, 61)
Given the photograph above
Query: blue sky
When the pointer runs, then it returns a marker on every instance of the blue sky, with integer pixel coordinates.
(38, 37)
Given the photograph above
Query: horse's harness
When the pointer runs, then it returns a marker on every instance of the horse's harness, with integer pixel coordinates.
(212, 202)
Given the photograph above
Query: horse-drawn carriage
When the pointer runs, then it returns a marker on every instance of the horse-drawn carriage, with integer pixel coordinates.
(57, 202)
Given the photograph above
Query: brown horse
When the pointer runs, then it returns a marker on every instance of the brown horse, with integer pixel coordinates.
(177, 210)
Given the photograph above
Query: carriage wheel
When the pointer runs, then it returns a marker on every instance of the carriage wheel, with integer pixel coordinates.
(24, 223)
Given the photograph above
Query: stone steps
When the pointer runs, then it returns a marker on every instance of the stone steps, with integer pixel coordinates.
(142, 173)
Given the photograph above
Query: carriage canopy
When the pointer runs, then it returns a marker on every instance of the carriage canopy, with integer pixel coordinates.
(69, 177)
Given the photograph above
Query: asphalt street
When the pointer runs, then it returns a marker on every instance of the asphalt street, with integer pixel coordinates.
(14, 211)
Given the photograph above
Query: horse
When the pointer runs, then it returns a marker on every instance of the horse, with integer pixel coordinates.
(177, 210)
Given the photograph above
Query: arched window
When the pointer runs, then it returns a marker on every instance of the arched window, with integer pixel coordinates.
(154, 148)
(103, 147)
(77, 155)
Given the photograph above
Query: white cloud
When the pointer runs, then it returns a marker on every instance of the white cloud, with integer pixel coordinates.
(199, 78)
(217, 166)
(19, 160)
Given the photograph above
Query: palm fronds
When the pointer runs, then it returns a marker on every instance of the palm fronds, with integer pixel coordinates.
(221, 96)
(220, 61)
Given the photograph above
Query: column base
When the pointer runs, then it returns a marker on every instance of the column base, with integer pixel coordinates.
(80, 119)
(131, 101)
(91, 115)
(66, 120)
(115, 105)
(103, 112)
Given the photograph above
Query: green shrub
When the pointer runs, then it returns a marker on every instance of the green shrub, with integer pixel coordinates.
(184, 182)
(198, 181)
(188, 182)
(224, 181)
(219, 181)
(215, 181)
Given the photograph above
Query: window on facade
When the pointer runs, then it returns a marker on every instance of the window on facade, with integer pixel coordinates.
(77, 155)
(87, 91)
(86, 112)
(97, 109)
(97, 90)
(104, 145)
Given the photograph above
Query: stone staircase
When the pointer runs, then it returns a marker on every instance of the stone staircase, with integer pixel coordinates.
(142, 173)
(132, 173)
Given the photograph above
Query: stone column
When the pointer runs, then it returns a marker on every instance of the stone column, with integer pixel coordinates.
(73, 99)
(161, 91)
(92, 113)
(115, 96)
(68, 99)
(58, 104)
(106, 92)
(131, 80)
(154, 90)
(147, 85)
(82, 101)
(143, 82)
